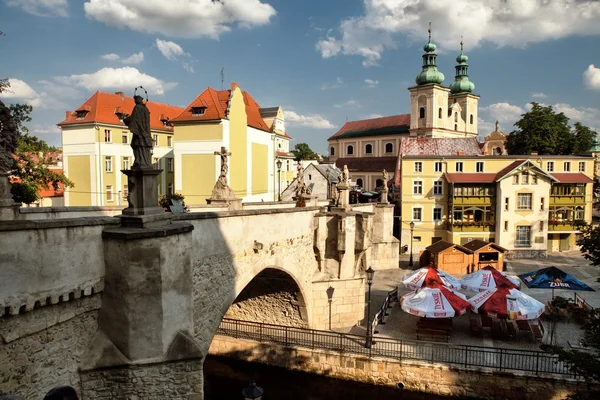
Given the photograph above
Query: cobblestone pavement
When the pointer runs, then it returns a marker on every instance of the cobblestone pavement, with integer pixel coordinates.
(401, 325)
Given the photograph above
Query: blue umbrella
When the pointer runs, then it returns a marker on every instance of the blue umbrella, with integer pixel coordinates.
(552, 278)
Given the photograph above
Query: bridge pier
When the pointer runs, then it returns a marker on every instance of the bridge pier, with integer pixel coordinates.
(144, 346)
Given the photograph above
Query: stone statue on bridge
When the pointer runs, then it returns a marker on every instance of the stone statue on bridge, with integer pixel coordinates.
(139, 125)
(221, 190)
(8, 139)
(300, 185)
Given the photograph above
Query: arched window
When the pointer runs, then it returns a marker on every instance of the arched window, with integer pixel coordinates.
(359, 182)
(389, 147)
(498, 151)
(369, 149)
(332, 151)
(350, 150)
(422, 112)
(471, 119)
(455, 117)
(455, 127)
(378, 183)
(440, 113)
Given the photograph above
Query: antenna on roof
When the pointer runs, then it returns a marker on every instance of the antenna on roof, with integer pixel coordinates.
(222, 76)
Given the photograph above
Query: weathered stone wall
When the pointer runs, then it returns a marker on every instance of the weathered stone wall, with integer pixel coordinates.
(184, 379)
(43, 213)
(516, 254)
(415, 376)
(272, 297)
(42, 349)
(46, 262)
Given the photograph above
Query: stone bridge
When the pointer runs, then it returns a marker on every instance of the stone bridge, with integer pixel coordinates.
(123, 312)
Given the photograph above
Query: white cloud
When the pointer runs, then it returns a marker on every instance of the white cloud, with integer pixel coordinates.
(371, 83)
(502, 22)
(174, 52)
(117, 79)
(182, 18)
(539, 95)
(348, 104)
(372, 116)
(591, 77)
(339, 82)
(503, 112)
(110, 57)
(41, 8)
(39, 129)
(20, 91)
(312, 121)
(134, 59)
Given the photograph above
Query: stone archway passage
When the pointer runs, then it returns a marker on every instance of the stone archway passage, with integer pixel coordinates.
(271, 297)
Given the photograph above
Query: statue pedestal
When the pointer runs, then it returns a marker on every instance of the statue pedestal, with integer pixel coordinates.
(9, 210)
(344, 197)
(143, 210)
(307, 200)
(224, 196)
(231, 204)
(383, 198)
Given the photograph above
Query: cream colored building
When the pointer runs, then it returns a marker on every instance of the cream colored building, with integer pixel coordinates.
(526, 204)
(96, 147)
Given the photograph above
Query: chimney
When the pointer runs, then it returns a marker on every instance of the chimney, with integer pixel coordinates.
(534, 153)
(67, 114)
(461, 153)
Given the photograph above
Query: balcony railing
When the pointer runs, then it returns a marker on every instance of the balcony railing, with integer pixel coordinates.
(556, 199)
(473, 200)
(564, 225)
(473, 227)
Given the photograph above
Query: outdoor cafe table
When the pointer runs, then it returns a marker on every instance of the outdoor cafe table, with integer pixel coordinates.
(441, 324)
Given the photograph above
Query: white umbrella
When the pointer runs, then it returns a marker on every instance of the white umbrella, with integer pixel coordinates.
(488, 278)
(429, 276)
(434, 302)
(506, 303)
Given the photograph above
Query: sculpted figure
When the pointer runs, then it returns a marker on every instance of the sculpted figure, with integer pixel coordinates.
(8, 139)
(345, 176)
(385, 177)
(300, 186)
(139, 125)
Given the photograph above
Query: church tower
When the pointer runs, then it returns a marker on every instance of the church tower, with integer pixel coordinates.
(429, 99)
(463, 103)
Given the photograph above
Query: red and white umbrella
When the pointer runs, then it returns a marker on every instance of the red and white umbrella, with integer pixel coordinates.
(503, 303)
(429, 277)
(434, 302)
(488, 278)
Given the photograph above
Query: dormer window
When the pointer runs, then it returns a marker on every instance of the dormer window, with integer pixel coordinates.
(165, 120)
(198, 111)
(82, 112)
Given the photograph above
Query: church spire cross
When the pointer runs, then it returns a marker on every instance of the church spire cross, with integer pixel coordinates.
(461, 44)
(429, 30)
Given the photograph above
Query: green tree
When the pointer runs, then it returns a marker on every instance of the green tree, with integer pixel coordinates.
(545, 131)
(590, 243)
(303, 152)
(33, 158)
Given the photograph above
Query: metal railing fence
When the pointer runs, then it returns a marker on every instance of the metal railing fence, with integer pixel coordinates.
(498, 359)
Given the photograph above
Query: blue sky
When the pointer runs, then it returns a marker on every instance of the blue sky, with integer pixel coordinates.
(324, 61)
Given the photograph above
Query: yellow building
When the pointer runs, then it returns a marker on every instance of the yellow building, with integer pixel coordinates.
(96, 147)
(231, 119)
(527, 204)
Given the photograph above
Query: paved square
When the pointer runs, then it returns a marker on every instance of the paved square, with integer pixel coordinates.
(401, 325)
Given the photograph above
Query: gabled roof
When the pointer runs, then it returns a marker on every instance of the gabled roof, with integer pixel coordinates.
(328, 171)
(477, 244)
(367, 164)
(572, 177)
(439, 146)
(101, 107)
(374, 127)
(216, 103)
(510, 168)
(442, 245)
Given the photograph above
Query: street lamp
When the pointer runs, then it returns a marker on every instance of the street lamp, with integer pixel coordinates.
(252, 392)
(330, 298)
(279, 179)
(370, 272)
(412, 229)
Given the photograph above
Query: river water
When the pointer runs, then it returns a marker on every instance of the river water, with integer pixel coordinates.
(225, 378)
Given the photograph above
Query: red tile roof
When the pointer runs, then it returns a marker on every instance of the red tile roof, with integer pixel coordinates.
(215, 102)
(284, 154)
(459, 177)
(375, 126)
(101, 107)
(427, 146)
(572, 177)
(367, 164)
(509, 168)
